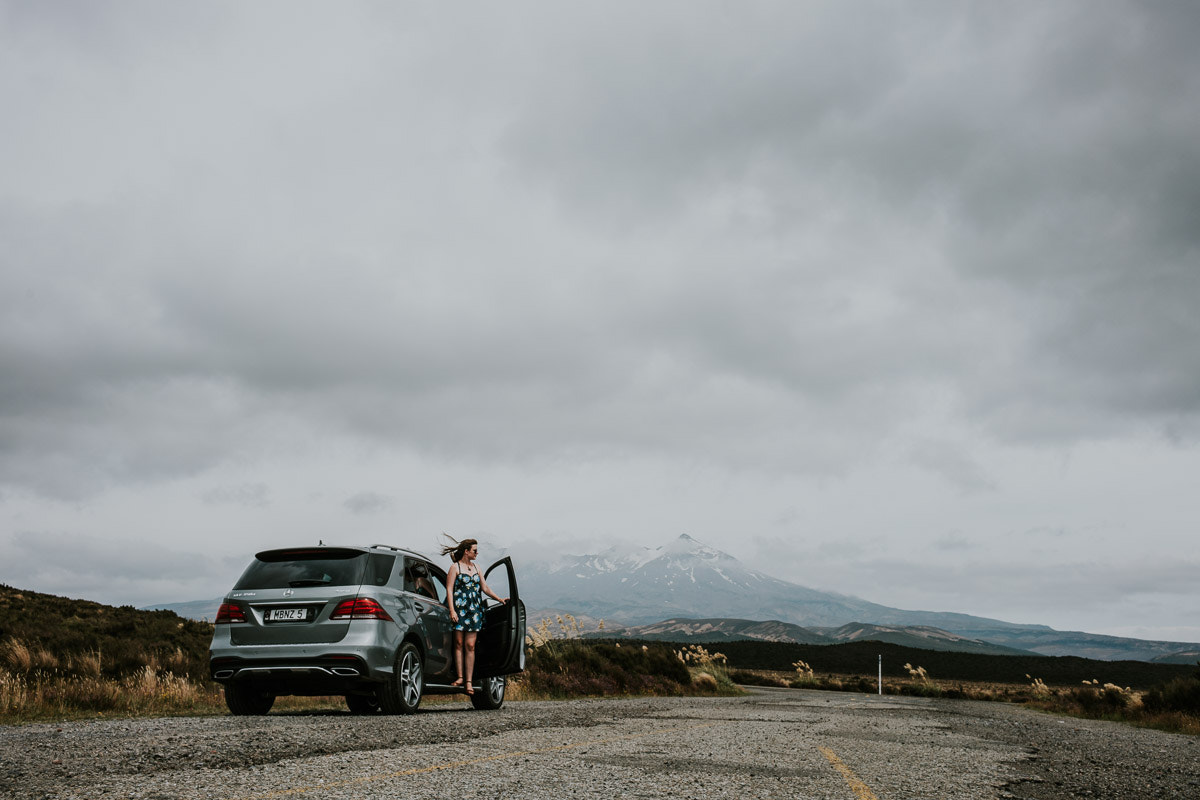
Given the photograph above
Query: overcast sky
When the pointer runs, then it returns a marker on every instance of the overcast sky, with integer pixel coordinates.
(893, 299)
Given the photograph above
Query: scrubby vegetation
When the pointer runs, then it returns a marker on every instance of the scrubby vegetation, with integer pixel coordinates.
(560, 664)
(853, 658)
(579, 668)
(63, 658)
(79, 637)
(1174, 706)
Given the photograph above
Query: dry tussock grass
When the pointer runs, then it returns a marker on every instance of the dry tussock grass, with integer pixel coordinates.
(1093, 699)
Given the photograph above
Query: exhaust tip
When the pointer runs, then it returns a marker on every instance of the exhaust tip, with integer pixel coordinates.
(222, 674)
(345, 672)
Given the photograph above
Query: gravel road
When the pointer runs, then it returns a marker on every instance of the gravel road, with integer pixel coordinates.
(770, 744)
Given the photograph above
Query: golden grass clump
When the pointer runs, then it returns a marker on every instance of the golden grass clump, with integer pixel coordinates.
(917, 673)
(544, 634)
(14, 693)
(87, 665)
(177, 662)
(16, 656)
(44, 660)
(805, 677)
(695, 655)
(144, 692)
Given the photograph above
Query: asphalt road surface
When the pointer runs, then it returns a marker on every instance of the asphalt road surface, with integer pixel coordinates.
(769, 744)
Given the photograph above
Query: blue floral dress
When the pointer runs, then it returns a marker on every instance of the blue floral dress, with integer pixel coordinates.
(468, 602)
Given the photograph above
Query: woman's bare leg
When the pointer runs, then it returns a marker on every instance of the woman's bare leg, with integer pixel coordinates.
(469, 649)
(458, 656)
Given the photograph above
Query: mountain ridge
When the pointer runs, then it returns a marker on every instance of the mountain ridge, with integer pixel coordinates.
(687, 579)
(723, 629)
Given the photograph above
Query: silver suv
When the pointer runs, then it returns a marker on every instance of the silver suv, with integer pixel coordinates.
(370, 623)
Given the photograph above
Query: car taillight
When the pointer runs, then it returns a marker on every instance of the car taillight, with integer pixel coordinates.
(230, 613)
(359, 608)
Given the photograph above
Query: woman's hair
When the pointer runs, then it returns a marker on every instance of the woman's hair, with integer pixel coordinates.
(456, 549)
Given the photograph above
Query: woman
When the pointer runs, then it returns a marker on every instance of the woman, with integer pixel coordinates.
(465, 588)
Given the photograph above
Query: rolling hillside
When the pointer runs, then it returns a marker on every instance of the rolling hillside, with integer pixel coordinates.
(124, 638)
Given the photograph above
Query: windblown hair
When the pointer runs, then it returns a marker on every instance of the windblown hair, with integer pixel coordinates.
(457, 549)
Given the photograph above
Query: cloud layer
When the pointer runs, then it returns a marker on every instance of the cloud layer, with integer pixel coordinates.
(782, 244)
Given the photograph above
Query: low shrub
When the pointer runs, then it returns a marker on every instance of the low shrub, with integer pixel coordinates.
(1180, 695)
(1094, 698)
(747, 677)
(573, 668)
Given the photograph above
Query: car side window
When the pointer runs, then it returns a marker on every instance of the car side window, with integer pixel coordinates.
(439, 582)
(379, 569)
(419, 580)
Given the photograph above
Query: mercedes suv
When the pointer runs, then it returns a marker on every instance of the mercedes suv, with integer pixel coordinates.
(369, 623)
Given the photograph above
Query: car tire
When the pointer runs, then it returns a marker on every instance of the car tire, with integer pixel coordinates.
(401, 694)
(490, 694)
(363, 703)
(248, 700)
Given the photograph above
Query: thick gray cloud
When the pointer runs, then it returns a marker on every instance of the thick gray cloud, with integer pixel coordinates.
(368, 503)
(250, 495)
(783, 243)
(800, 223)
(120, 569)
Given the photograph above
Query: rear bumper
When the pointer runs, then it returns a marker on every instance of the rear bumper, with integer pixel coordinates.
(311, 669)
(362, 656)
(334, 666)
(331, 674)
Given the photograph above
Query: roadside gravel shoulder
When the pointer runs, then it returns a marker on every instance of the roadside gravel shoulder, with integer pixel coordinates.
(45, 760)
(771, 743)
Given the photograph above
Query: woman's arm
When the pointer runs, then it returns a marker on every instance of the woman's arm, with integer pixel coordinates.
(450, 576)
(488, 590)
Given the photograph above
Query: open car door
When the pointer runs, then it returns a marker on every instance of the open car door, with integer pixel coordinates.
(501, 646)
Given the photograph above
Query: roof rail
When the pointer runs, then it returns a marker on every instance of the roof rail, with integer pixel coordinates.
(408, 550)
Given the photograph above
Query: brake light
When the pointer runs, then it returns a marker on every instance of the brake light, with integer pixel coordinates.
(359, 608)
(230, 613)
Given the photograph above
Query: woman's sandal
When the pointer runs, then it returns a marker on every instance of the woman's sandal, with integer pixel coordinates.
(457, 682)
(470, 689)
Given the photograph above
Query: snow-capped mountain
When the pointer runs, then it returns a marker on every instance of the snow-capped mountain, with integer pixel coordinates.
(686, 578)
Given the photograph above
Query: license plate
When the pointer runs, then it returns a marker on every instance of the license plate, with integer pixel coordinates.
(287, 615)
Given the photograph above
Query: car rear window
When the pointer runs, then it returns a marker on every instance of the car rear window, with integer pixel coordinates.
(283, 569)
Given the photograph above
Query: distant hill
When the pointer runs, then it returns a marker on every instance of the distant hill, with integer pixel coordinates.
(1184, 657)
(728, 630)
(201, 610)
(716, 630)
(923, 637)
(125, 638)
(1089, 645)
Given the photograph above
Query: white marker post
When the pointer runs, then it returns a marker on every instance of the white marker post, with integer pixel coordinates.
(881, 674)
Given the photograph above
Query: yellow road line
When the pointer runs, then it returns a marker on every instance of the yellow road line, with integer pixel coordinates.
(861, 790)
(484, 760)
